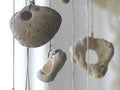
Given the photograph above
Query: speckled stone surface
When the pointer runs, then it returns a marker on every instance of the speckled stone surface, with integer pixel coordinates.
(103, 49)
(33, 26)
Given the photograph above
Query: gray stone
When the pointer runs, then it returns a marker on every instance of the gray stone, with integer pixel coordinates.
(33, 26)
(52, 66)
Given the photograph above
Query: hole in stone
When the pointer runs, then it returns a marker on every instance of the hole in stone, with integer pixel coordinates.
(26, 15)
(91, 57)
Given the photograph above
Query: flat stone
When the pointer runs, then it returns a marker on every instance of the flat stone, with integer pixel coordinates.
(103, 49)
(52, 66)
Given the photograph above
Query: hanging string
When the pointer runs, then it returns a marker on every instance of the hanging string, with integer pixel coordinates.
(50, 42)
(91, 18)
(48, 86)
(50, 49)
(73, 32)
(87, 32)
(13, 87)
(89, 27)
(27, 86)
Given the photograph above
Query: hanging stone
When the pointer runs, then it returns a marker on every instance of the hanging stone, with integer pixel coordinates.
(103, 49)
(33, 26)
(52, 66)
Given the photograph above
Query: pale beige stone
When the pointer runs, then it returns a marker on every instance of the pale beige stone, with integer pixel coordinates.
(47, 66)
(103, 49)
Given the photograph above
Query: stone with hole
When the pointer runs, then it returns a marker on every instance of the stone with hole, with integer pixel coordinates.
(103, 49)
(34, 26)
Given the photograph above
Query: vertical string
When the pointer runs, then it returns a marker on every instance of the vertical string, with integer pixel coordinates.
(91, 18)
(73, 32)
(27, 86)
(87, 17)
(50, 49)
(50, 42)
(48, 86)
(89, 27)
(87, 32)
(13, 87)
(26, 83)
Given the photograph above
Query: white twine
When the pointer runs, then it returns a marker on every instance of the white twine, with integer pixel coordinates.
(73, 37)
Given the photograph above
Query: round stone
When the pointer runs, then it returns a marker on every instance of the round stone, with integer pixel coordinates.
(34, 26)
